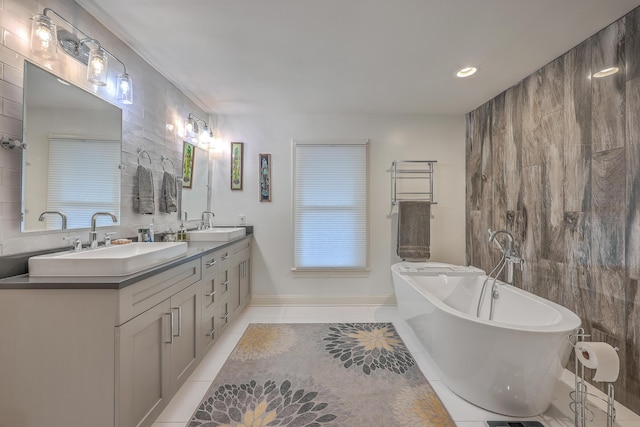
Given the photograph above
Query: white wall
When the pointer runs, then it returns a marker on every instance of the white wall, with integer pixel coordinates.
(397, 137)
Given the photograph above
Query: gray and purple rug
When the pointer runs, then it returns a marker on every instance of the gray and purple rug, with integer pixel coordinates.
(313, 375)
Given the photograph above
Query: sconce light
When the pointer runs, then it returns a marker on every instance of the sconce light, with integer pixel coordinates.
(97, 66)
(192, 129)
(43, 37)
(46, 38)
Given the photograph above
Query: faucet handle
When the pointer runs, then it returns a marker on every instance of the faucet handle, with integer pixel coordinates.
(76, 242)
(107, 238)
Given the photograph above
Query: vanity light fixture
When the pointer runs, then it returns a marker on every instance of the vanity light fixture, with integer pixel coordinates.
(46, 38)
(192, 128)
(466, 72)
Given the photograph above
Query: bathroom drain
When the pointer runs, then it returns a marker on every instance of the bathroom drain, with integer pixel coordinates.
(514, 424)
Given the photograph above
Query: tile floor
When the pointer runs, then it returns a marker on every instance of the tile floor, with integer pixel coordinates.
(182, 406)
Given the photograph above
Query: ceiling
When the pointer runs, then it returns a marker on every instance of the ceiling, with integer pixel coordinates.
(350, 56)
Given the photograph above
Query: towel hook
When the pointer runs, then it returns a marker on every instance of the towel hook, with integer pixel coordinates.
(140, 153)
(166, 159)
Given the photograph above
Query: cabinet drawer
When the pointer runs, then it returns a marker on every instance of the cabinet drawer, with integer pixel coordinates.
(141, 296)
(213, 261)
(210, 328)
(209, 291)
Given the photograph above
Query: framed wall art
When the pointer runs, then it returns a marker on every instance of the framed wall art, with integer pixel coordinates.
(264, 162)
(237, 154)
(188, 155)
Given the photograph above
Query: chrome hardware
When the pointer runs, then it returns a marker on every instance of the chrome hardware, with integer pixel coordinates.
(211, 263)
(62, 216)
(179, 320)
(211, 332)
(225, 256)
(212, 293)
(170, 314)
(107, 238)
(10, 144)
(93, 235)
(202, 224)
(75, 242)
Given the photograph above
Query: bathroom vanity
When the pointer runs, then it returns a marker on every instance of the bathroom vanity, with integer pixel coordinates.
(105, 351)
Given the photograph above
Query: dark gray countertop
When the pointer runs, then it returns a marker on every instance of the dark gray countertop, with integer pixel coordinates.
(194, 250)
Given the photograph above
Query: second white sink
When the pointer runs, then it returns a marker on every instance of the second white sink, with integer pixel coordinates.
(115, 260)
(216, 234)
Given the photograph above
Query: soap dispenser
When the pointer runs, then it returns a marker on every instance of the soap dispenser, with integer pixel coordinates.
(182, 232)
(151, 232)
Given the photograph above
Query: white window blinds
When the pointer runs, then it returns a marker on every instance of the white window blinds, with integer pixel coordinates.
(84, 178)
(330, 200)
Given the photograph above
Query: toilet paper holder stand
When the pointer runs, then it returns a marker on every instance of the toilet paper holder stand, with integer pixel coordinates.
(578, 405)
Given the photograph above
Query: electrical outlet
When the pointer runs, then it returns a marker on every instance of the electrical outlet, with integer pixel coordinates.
(243, 219)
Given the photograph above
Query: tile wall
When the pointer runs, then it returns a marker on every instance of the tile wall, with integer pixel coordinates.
(156, 103)
(555, 159)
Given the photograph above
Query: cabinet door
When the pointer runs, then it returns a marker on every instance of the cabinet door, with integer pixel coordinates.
(245, 277)
(143, 368)
(185, 350)
(234, 287)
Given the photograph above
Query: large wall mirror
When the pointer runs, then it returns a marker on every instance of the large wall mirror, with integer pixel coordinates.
(195, 192)
(72, 161)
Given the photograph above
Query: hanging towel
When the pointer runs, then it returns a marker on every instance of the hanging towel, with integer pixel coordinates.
(414, 223)
(145, 197)
(168, 197)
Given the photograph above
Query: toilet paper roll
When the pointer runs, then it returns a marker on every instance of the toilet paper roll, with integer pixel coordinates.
(602, 357)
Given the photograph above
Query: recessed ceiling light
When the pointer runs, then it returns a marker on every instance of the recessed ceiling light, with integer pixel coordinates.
(606, 72)
(466, 72)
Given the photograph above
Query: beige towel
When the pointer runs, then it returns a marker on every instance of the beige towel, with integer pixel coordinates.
(169, 196)
(144, 202)
(414, 224)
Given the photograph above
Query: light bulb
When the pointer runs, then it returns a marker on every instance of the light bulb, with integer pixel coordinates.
(97, 67)
(43, 37)
(125, 89)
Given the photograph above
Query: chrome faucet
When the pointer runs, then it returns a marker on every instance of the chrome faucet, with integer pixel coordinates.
(62, 216)
(510, 255)
(509, 258)
(93, 235)
(204, 214)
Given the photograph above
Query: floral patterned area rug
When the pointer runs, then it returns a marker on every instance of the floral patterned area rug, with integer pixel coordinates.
(313, 375)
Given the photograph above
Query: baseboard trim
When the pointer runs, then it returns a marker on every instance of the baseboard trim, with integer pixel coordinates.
(277, 300)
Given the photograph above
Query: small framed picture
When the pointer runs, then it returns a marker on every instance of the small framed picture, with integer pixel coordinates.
(237, 154)
(264, 162)
(188, 155)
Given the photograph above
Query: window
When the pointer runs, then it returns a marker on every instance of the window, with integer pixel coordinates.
(330, 203)
(84, 178)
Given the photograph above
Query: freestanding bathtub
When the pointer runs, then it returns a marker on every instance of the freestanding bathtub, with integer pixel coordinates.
(509, 365)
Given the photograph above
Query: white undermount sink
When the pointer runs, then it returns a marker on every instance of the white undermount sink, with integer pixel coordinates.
(216, 234)
(115, 260)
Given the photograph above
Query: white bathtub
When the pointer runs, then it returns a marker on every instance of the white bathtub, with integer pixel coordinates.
(509, 365)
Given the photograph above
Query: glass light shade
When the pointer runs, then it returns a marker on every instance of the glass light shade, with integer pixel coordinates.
(191, 127)
(97, 67)
(43, 37)
(125, 89)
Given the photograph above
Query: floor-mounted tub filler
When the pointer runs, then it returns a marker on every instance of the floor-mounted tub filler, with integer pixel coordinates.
(508, 365)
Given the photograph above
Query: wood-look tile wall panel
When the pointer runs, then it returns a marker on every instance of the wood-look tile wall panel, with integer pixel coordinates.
(564, 178)
(607, 50)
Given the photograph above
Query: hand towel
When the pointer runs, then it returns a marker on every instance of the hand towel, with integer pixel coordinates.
(168, 197)
(414, 230)
(144, 202)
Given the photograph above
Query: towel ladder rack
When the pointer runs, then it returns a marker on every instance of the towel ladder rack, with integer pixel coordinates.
(418, 177)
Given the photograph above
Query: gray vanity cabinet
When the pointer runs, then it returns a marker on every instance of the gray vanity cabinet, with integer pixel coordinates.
(114, 357)
(160, 347)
